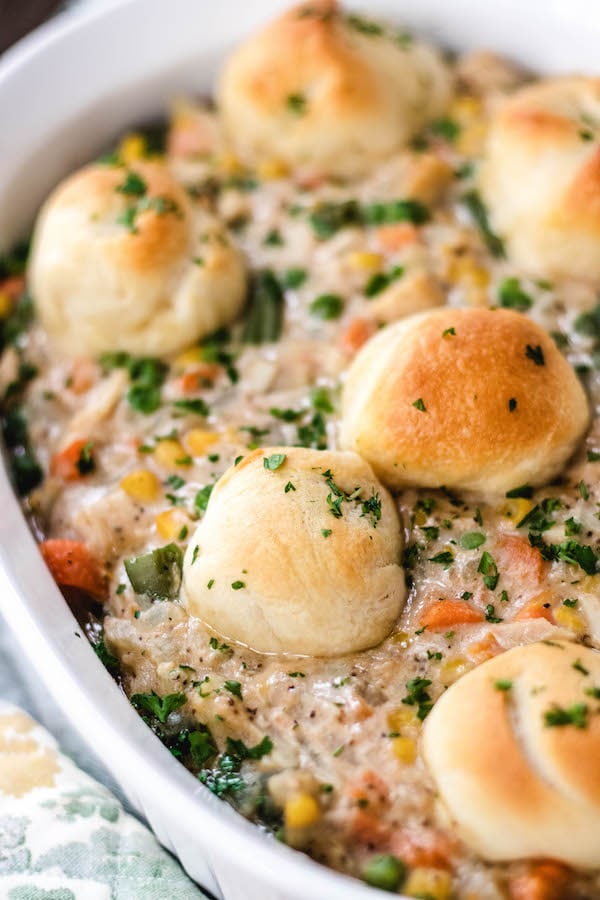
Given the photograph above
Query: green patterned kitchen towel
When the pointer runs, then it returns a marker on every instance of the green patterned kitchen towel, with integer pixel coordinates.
(63, 836)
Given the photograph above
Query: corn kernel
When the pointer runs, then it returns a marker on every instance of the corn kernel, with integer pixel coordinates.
(400, 717)
(5, 305)
(452, 669)
(364, 261)
(434, 883)
(132, 147)
(590, 584)
(197, 440)
(404, 749)
(270, 169)
(465, 108)
(141, 485)
(169, 523)
(229, 164)
(471, 140)
(569, 618)
(188, 358)
(516, 509)
(301, 810)
(170, 454)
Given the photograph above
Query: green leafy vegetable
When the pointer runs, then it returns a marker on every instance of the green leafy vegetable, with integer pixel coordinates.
(274, 461)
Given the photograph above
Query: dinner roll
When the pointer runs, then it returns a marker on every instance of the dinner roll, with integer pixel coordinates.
(541, 178)
(298, 553)
(477, 399)
(120, 261)
(513, 747)
(329, 91)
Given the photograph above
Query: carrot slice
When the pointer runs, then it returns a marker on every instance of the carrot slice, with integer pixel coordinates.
(519, 559)
(544, 881)
(423, 847)
(446, 613)
(537, 608)
(202, 376)
(368, 789)
(368, 828)
(73, 462)
(84, 374)
(72, 564)
(394, 237)
(357, 333)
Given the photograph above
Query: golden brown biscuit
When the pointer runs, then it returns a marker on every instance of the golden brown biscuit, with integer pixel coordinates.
(329, 91)
(120, 261)
(302, 558)
(476, 399)
(541, 178)
(513, 747)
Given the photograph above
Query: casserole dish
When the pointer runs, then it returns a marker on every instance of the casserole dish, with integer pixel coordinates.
(58, 130)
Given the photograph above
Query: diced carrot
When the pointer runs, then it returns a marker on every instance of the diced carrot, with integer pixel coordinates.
(446, 613)
(84, 374)
(202, 376)
(367, 828)
(67, 463)
(423, 847)
(72, 564)
(484, 649)
(394, 237)
(539, 607)
(357, 333)
(191, 138)
(544, 881)
(517, 558)
(13, 286)
(369, 790)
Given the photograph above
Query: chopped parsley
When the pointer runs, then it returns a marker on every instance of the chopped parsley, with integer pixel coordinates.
(238, 585)
(289, 487)
(159, 707)
(525, 491)
(419, 404)
(560, 716)
(445, 128)
(512, 404)
(273, 238)
(296, 103)
(274, 461)
(490, 614)
(488, 568)
(512, 296)
(197, 406)
(479, 214)
(134, 185)
(503, 684)
(419, 696)
(294, 278)
(445, 559)
(379, 281)
(215, 645)
(202, 497)
(472, 539)
(86, 462)
(234, 687)
(327, 307)
(326, 532)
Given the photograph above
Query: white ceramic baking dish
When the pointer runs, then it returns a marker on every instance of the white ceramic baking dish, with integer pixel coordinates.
(65, 92)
